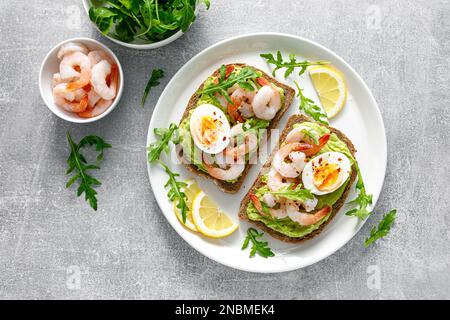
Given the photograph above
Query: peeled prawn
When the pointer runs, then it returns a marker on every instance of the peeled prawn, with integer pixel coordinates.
(266, 102)
(73, 64)
(71, 47)
(239, 97)
(233, 171)
(66, 99)
(248, 144)
(276, 213)
(222, 100)
(56, 79)
(98, 79)
(275, 180)
(93, 98)
(293, 151)
(303, 218)
(97, 110)
(98, 55)
(270, 200)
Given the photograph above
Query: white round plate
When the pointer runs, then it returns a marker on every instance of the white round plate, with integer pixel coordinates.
(360, 120)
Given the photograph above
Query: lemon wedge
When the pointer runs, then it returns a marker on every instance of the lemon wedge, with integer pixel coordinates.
(209, 219)
(191, 190)
(330, 87)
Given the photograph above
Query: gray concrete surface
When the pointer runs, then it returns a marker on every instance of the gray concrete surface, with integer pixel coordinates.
(52, 246)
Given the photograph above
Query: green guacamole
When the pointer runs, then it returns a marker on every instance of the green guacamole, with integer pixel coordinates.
(286, 226)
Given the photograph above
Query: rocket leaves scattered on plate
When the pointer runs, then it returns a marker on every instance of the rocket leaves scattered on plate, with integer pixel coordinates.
(258, 246)
(290, 64)
(151, 20)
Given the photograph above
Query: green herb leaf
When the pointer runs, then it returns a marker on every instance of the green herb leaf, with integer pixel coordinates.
(154, 149)
(290, 64)
(292, 193)
(176, 191)
(254, 125)
(77, 161)
(241, 78)
(258, 246)
(103, 18)
(309, 107)
(383, 228)
(151, 20)
(157, 74)
(362, 201)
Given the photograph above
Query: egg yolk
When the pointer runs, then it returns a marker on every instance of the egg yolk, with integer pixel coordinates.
(326, 176)
(208, 129)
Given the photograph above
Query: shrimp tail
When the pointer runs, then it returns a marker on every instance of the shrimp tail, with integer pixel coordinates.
(81, 82)
(256, 202)
(233, 110)
(84, 102)
(262, 81)
(316, 148)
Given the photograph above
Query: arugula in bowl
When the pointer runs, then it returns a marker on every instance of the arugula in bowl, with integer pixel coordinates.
(143, 20)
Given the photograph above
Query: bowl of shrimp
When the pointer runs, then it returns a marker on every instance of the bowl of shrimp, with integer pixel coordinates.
(81, 80)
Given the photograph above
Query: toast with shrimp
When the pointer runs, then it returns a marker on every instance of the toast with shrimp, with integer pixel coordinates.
(293, 200)
(259, 101)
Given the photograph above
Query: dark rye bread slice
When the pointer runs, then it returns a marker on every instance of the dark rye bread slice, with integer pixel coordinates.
(258, 183)
(289, 94)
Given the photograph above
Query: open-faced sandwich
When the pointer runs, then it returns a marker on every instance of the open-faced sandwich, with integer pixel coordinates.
(220, 128)
(303, 183)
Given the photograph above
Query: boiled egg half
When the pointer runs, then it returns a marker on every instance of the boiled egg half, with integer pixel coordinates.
(210, 128)
(326, 172)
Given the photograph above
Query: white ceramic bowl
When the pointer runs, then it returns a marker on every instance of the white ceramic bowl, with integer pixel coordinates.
(50, 66)
(139, 44)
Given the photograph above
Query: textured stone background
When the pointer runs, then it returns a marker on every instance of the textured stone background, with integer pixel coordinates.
(49, 239)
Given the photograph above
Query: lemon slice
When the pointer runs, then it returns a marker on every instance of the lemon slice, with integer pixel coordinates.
(331, 89)
(209, 219)
(191, 191)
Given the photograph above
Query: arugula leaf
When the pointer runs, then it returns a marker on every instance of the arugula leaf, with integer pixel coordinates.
(292, 193)
(157, 74)
(254, 125)
(154, 151)
(309, 107)
(78, 161)
(176, 191)
(383, 228)
(132, 5)
(155, 148)
(290, 64)
(265, 207)
(362, 201)
(185, 15)
(241, 78)
(103, 18)
(258, 246)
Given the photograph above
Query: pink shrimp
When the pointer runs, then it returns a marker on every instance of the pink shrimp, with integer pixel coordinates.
(101, 106)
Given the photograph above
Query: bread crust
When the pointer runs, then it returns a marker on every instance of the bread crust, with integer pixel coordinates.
(289, 94)
(258, 183)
